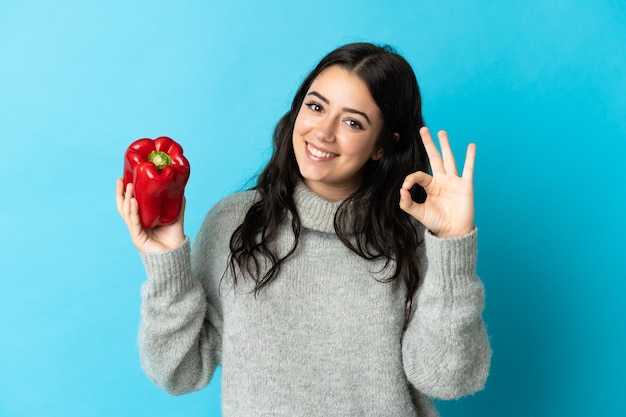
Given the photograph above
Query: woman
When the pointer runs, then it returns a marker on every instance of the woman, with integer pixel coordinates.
(332, 287)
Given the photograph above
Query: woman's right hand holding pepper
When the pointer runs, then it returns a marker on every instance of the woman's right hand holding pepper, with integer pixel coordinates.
(160, 238)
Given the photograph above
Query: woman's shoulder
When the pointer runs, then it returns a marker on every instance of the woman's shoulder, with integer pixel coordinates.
(211, 244)
(233, 205)
(223, 218)
(236, 201)
(230, 210)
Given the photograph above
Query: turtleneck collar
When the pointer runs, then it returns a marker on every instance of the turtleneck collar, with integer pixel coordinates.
(316, 213)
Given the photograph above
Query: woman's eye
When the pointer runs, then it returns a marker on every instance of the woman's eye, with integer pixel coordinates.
(354, 124)
(314, 106)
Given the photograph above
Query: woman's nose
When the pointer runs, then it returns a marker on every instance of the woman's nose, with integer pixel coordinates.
(324, 130)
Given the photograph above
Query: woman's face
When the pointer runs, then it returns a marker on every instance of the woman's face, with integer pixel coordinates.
(336, 133)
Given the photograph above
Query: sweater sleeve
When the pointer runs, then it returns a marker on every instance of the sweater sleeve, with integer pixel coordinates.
(179, 346)
(445, 349)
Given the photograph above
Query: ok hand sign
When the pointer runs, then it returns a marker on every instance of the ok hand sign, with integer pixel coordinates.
(449, 207)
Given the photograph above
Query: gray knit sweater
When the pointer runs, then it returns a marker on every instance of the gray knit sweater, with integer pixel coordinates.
(325, 338)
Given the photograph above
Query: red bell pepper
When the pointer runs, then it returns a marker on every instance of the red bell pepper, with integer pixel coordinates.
(159, 173)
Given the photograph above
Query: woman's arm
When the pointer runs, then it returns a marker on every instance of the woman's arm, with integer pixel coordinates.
(445, 348)
(179, 346)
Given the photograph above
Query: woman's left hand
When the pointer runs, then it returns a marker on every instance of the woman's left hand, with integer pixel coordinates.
(449, 207)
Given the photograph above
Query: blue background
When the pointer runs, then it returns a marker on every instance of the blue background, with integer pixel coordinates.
(540, 85)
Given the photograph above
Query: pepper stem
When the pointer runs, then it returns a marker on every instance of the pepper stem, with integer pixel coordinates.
(160, 159)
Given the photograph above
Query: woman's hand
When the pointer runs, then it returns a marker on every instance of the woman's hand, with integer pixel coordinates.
(449, 207)
(156, 239)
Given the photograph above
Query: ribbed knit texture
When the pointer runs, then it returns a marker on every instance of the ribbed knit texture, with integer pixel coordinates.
(326, 337)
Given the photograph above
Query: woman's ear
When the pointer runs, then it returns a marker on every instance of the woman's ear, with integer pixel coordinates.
(379, 151)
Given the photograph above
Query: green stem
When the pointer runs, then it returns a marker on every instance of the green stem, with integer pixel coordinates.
(160, 159)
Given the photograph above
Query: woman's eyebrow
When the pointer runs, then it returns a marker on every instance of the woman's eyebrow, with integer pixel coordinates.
(348, 109)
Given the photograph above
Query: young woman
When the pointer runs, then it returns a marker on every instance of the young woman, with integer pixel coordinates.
(344, 283)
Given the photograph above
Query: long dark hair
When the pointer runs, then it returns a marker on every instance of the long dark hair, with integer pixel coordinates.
(370, 221)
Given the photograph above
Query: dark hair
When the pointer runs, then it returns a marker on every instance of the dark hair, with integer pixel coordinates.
(383, 230)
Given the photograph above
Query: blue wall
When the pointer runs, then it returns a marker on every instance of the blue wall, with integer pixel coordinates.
(540, 85)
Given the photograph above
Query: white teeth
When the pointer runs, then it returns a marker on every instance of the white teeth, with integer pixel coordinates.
(318, 153)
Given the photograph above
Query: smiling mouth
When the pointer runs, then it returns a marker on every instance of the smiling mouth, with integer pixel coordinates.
(318, 153)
